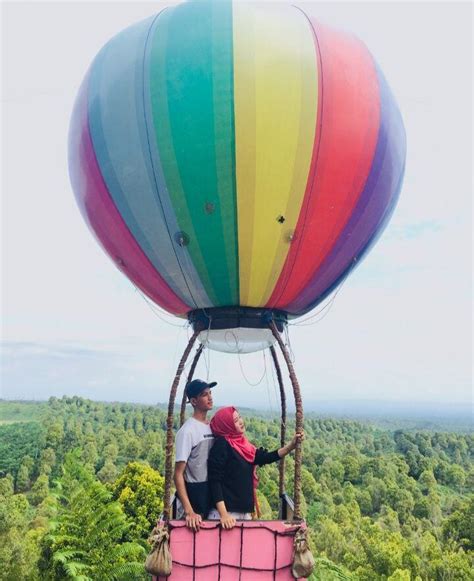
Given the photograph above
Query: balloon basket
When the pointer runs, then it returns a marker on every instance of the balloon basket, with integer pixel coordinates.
(251, 551)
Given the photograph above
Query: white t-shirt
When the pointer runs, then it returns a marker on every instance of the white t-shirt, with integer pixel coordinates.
(193, 443)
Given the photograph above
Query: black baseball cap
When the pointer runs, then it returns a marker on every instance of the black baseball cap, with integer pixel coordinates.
(194, 387)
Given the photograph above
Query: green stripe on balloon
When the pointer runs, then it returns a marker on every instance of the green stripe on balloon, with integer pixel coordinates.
(192, 102)
(224, 122)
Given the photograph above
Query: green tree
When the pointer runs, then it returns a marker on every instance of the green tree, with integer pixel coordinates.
(6, 486)
(326, 570)
(459, 526)
(352, 467)
(47, 461)
(39, 490)
(388, 519)
(330, 540)
(156, 456)
(18, 542)
(86, 505)
(400, 575)
(89, 453)
(364, 501)
(108, 472)
(132, 448)
(452, 566)
(308, 485)
(402, 502)
(264, 506)
(470, 480)
(427, 481)
(111, 452)
(378, 493)
(456, 477)
(139, 489)
(55, 435)
(422, 508)
(23, 479)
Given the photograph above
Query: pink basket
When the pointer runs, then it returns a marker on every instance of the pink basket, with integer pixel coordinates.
(252, 551)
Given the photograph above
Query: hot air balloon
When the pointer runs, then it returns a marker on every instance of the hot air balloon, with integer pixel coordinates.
(236, 161)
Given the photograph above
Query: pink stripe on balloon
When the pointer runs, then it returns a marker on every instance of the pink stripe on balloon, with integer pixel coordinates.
(103, 218)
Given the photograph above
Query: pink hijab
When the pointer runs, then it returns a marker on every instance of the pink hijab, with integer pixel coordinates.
(222, 424)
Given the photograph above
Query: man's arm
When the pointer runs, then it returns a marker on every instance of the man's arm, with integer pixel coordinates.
(193, 520)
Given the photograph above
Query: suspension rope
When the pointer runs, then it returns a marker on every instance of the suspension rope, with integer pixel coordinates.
(298, 420)
(329, 304)
(205, 341)
(243, 372)
(169, 428)
(160, 313)
(267, 383)
(288, 344)
(207, 362)
(281, 480)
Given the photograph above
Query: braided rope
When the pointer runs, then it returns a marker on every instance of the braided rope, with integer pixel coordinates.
(281, 479)
(182, 413)
(169, 428)
(298, 420)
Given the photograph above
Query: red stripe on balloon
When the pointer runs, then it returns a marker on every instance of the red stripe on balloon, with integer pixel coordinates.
(103, 218)
(345, 144)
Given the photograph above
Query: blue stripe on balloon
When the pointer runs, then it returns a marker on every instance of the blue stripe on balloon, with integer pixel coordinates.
(118, 131)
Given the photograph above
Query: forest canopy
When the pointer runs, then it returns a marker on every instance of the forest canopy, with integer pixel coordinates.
(389, 504)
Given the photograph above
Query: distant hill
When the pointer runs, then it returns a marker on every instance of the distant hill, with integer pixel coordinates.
(400, 409)
(451, 417)
(380, 413)
(21, 411)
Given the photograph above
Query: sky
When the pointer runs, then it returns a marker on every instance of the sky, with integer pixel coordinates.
(399, 330)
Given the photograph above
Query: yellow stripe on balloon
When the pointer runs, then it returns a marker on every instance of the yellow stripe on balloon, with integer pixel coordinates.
(275, 103)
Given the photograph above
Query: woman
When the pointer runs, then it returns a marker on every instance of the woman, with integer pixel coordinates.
(232, 466)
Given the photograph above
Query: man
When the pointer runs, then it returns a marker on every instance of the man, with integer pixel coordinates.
(193, 442)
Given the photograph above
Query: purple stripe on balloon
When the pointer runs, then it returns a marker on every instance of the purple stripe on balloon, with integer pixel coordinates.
(372, 212)
(102, 216)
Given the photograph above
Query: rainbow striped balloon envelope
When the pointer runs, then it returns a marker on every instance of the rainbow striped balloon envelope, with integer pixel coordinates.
(236, 160)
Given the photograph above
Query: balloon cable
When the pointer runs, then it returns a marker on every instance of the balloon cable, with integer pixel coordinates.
(207, 363)
(155, 310)
(288, 345)
(328, 305)
(267, 383)
(274, 381)
(246, 378)
(178, 338)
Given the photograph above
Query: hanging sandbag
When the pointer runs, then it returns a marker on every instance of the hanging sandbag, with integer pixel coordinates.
(303, 560)
(158, 562)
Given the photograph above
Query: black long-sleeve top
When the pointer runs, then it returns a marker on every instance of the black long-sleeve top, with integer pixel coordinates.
(231, 476)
